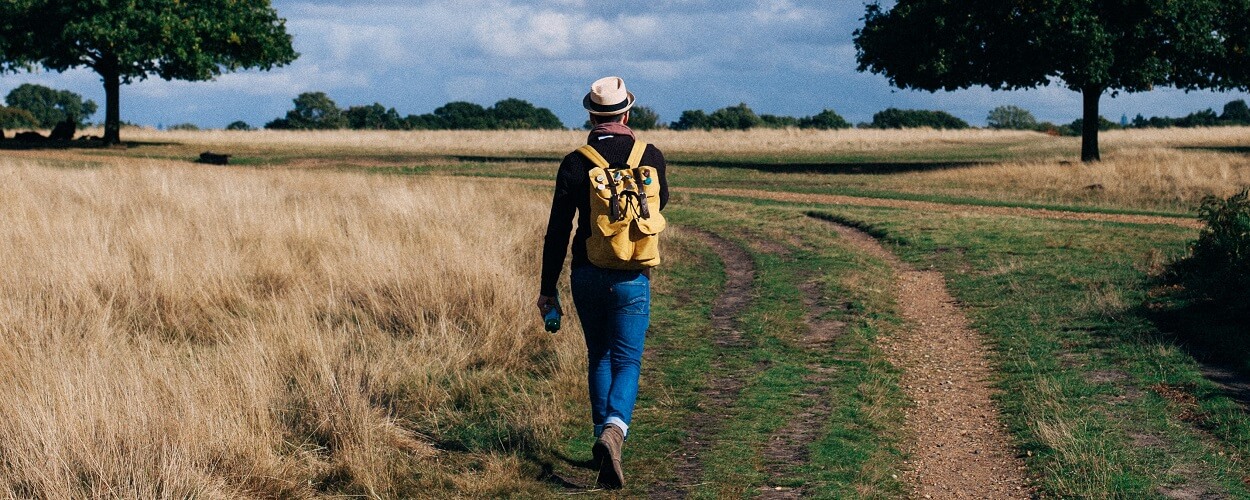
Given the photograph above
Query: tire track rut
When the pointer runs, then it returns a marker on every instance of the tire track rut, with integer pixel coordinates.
(720, 392)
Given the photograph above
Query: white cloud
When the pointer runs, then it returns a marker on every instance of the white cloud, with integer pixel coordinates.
(352, 42)
(521, 33)
(278, 82)
(781, 12)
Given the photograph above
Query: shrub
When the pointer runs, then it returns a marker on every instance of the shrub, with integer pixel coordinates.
(1218, 267)
(824, 120)
(1077, 126)
(916, 118)
(778, 121)
(239, 125)
(184, 126)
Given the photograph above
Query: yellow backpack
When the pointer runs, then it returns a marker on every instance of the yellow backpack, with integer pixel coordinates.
(624, 212)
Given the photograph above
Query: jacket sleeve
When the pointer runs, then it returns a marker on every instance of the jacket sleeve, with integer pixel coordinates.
(559, 228)
(655, 158)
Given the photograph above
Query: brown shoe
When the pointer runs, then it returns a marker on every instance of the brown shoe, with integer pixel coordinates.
(607, 452)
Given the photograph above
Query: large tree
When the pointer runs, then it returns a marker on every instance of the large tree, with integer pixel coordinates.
(128, 40)
(1092, 46)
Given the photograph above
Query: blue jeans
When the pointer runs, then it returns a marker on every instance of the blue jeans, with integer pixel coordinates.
(615, 309)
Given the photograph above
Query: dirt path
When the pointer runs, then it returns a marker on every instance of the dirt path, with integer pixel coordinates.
(928, 206)
(960, 448)
(720, 393)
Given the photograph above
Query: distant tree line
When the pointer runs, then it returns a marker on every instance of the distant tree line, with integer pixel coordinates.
(1236, 113)
(741, 117)
(316, 111)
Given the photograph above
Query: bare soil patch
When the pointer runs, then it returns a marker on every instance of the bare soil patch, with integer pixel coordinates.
(960, 448)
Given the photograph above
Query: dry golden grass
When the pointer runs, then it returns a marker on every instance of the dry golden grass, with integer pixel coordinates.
(1145, 177)
(779, 142)
(176, 331)
(1176, 137)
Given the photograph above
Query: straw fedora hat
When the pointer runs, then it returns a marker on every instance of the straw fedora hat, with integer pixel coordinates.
(608, 97)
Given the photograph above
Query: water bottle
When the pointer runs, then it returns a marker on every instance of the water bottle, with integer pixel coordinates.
(552, 319)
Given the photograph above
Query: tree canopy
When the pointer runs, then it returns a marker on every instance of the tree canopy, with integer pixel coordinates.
(1236, 112)
(1011, 118)
(1092, 47)
(15, 118)
(373, 117)
(824, 120)
(692, 119)
(313, 111)
(643, 118)
(49, 106)
(126, 41)
(916, 118)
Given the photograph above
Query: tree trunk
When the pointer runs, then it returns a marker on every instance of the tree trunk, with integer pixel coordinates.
(1089, 124)
(112, 105)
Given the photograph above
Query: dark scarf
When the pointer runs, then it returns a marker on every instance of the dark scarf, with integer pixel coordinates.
(611, 128)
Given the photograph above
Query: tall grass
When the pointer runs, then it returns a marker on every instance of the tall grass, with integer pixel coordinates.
(1146, 177)
(174, 331)
(779, 142)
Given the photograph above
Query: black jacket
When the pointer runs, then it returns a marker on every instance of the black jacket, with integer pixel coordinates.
(573, 196)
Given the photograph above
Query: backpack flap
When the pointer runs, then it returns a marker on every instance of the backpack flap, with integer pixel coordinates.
(600, 210)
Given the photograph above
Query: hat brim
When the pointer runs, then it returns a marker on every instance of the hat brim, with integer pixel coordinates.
(601, 110)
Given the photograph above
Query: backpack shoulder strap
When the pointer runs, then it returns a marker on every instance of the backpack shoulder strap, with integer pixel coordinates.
(635, 155)
(591, 154)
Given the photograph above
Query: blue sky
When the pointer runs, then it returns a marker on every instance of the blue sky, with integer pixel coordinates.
(787, 57)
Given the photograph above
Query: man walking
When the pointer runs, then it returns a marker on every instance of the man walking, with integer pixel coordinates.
(614, 304)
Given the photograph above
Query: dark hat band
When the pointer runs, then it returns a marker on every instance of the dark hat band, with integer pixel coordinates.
(600, 108)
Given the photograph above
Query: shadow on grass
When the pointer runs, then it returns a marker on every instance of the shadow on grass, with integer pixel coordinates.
(1217, 337)
(867, 168)
(550, 476)
(557, 467)
(1219, 149)
(49, 144)
(779, 167)
(506, 159)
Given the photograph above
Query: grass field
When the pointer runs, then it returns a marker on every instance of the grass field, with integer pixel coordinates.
(350, 313)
